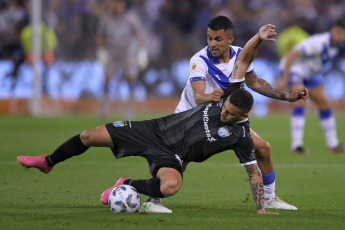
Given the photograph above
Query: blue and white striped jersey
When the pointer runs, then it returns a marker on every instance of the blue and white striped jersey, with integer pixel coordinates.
(316, 51)
(204, 67)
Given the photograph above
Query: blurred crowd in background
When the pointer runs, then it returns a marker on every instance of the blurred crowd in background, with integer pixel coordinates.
(174, 30)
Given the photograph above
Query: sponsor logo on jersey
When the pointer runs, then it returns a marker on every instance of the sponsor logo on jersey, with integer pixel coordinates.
(120, 123)
(179, 159)
(206, 120)
(224, 131)
(194, 66)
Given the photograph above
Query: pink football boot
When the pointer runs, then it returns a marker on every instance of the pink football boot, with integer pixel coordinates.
(106, 193)
(36, 162)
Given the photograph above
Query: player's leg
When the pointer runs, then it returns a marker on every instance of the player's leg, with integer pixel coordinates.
(97, 137)
(262, 153)
(170, 183)
(297, 123)
(130, 74)
(109, 69)
(78, 144)
(265, 163)
(153, 204)
(169, 171)
(130, 104)
(327, 120)
(166, 183)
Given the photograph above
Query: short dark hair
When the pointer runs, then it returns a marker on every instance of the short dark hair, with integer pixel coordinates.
(242, 99)
(340, 22)
(220, 23)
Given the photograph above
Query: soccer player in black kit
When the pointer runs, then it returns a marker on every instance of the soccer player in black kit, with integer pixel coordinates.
(167, 142)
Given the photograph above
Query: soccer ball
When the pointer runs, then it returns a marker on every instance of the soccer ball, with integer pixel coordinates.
(124, 198)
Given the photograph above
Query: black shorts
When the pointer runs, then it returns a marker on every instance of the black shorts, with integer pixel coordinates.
(141, 138)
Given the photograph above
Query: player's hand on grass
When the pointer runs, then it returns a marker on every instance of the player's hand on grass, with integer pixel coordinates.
(267, 33)
(217, 94)
(262, 211)
(301, 93)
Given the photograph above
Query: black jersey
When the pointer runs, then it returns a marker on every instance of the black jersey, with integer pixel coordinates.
(193, 135)
(197, 134)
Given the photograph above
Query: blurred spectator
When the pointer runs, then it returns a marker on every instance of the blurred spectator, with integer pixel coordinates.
(288, 38)
(121, 49)
(12, 19)
(48, 41)
(173, 30)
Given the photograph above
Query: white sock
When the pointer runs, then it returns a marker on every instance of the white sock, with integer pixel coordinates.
(330, 130)
(297, 130)
(269, 191)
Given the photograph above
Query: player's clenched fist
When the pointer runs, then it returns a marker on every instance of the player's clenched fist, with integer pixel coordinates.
(217, 94)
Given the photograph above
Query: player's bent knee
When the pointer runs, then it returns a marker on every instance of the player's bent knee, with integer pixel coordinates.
(171, 181)
(170, 187)
(264, 150)
(86, 137)
(267, 147)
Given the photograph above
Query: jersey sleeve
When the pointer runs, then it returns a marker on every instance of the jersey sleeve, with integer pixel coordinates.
(233, 86)
(250, 69)
(311, 46)
(245, 150)
(197, 69)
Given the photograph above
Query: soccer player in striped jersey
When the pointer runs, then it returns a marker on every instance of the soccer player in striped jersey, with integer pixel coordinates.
(209, 73)
(302, 67)
(193, 135)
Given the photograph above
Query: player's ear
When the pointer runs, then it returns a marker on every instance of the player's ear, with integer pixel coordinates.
(245, 115)
(230, 36)
(231, 39)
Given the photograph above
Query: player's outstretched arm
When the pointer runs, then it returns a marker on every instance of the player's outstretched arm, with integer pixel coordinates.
(262, 87)
(259, 85)
(257, 186)
(249, 51)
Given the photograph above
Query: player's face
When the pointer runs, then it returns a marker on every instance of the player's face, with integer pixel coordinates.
(338, 35)
(231, 113)
(219, 42)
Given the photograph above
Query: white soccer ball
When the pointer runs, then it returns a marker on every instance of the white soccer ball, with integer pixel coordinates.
(124, 198)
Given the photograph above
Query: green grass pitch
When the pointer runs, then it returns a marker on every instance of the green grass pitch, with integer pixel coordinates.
(215, 194)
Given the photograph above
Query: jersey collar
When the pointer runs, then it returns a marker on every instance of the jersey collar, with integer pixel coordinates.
(244, 120)
(215, 60)
(237, 123)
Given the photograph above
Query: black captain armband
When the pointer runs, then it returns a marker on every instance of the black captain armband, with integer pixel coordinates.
(282, 97)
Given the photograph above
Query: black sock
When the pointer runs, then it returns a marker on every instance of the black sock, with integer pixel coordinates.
(70, 148)
(150, 187)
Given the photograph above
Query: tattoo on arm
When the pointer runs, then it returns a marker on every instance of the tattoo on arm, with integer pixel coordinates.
(235, 70)
(256, 184)
(267, 90)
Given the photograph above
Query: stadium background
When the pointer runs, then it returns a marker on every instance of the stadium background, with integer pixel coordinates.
(68, 198)
(174, 29)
